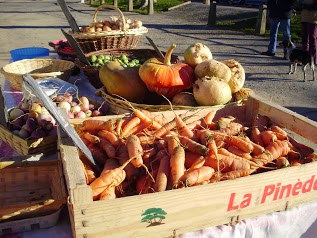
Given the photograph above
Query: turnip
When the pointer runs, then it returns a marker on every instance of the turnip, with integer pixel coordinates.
(59, 98)
(15, 113)
(80, 114)
(96, 113)
(211, 91)
(197, 53)
(24, 134)
(35, 107)
(45, 120)
(64, 105)
(30, 125)
(75, 109)
(70, 115)
(88, 113)
(17, 123)
(84, 103)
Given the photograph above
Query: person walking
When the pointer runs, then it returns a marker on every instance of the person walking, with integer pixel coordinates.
(309, 27)
(280, 13)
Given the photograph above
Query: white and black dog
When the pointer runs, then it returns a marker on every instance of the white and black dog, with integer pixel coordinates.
(298, 56)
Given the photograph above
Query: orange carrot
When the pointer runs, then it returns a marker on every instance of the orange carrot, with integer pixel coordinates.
(234, 174)
(91, 138)
(208, 118)
(144, 118)
(182, 128)
(90, 174)
(134, 121)
(99, 155)
(196, 176)
(257, 149)
(162, 174)
(107, 147)
(226, 163)
(91, 125)
(109, 136)
(279, 132)
(239, 152)
(139, 128)
(193, 146)
(191, 159)
(108, 193)
(177, 164)
(109, 178)
(135, 150)
(233, 128)
(273, 151)
(256, 136)
(122, 156)
(268, 137)
(172, 143)
(118, 127)
(145, 183)
(159, 118)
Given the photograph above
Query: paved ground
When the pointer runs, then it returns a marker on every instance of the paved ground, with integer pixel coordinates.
(26, 23)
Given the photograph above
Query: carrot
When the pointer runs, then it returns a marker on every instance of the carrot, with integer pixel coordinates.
(139, 127)
(268, 137)
(279, 132)
(159, 118)
(118, 127)
(257, 149)
(162, 174)
(91, 125)
(182, 128)
(226, 163)
(282, 162)
(234, 128)
(108, 193)
(109, 178)
(145, 183)
(193, 146)
(177, 164)
(98, 154)
(90, 174)
(273, 151)
(208, 118)
(135, 150)
(172, 143)
(256, 136)
(199, 162)
(239, 152)
(122, 156)
(236, 141)
(109, 136)
(126, 127)
(91, 138)
(196, 176)
(107, 147)
(167, 127)
(224, 122)
(234, 174)
(144, 118)
(192, 158)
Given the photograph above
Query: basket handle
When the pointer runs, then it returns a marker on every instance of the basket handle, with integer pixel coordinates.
(121, 16)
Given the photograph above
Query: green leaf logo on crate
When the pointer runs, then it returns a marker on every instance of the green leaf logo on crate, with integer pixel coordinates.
(154, 216)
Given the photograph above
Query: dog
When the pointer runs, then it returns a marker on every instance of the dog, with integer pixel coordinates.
(298, 56)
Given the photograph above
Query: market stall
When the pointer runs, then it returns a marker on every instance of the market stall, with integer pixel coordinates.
(120, 181)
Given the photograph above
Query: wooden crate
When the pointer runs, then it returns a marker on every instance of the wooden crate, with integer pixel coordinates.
(32, 189)
(198, 207)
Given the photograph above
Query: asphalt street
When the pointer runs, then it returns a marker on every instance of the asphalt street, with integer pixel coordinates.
(35, 23)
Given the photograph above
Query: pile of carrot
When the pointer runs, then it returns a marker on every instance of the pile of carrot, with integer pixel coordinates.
(145, 153)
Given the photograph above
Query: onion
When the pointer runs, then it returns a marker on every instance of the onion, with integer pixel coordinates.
(211, 91)
(197, 53)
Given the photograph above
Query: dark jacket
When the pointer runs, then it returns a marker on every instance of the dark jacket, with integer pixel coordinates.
(280, 8)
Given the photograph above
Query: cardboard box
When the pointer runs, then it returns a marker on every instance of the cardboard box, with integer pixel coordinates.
(197, 207)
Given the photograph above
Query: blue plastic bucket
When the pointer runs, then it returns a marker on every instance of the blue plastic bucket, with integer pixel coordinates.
(29, 53)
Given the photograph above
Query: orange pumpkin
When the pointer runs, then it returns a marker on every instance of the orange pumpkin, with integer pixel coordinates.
(165, 78)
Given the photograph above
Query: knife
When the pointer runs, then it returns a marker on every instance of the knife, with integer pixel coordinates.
(155, 47)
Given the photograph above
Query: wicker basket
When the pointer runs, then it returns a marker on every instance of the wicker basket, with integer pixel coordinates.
(115, 39)
(27, 147)
(92, 72)
(37, 68)
(121, 106)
